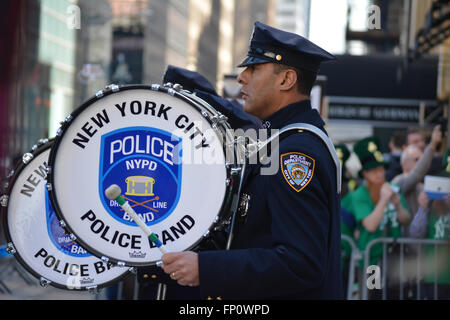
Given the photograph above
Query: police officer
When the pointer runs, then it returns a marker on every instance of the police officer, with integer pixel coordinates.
(288, 245)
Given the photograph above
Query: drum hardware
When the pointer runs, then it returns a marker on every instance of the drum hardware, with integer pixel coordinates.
(10, 248)
(4, 200)
(44, 282)
(10, 174)
(27, 157)
(39, 143)
(177, 87)
(111, 87)
(62, 224)
(93, 290)
(66, 120)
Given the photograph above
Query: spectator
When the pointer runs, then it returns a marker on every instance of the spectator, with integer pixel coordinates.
(378, 209)
(416, 138)
(415, 165)
(432, 221)
(397, 144)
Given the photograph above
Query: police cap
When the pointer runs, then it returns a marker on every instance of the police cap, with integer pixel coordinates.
(190, 80)
(269, 44)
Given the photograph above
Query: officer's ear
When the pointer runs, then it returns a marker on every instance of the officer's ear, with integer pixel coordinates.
(288, 79)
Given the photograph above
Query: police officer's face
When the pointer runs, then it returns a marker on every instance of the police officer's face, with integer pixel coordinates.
(259, 89)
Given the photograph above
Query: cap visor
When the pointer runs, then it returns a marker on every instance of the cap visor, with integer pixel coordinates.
(253, 60)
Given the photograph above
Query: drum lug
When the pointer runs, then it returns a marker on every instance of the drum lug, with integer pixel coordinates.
(206, 234)
(177, 87)
(27, 157)
(44, 282)
(205, 114)
(99, 94)
(228, 182)
(59, 131)
(68, 118)
(62, 224)
(155, 87)
(105, 259)
(235, 171)
(120, 264)
(113, 87)
(49, 186)
(92, 289)
(171, 92)
(10, 174)
(159, 263)
(10, 248)
(72, 237)
(48, 169)
(168, 85)
(4, 200)
(133, 270)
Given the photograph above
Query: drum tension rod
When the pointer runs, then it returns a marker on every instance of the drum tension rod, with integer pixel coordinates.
(4, 200)
(10, 248)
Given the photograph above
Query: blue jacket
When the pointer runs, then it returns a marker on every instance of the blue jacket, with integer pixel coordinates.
(288, 247)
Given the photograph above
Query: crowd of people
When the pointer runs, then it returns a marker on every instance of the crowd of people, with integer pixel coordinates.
(388, 199)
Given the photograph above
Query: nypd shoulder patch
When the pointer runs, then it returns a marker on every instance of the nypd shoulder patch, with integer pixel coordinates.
(297, 169)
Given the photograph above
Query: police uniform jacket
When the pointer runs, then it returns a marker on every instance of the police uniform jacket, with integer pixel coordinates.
(288, 247)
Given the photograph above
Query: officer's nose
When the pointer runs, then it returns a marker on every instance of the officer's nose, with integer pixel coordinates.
(241, 77)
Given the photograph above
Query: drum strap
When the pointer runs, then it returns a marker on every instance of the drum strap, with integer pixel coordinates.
(319, 133)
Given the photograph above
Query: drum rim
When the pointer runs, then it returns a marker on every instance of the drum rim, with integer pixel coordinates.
(184, 96)
(18, 169)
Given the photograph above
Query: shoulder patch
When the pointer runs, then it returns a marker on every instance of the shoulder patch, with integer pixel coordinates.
(298, 169)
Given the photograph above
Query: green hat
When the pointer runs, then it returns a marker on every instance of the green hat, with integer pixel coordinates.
(369, 153)
(343, 153)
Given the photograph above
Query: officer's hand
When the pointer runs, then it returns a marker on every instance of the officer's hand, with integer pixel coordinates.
(182, 266)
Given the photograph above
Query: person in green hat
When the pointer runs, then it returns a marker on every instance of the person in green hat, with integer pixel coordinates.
(379, 208)
(432, 221)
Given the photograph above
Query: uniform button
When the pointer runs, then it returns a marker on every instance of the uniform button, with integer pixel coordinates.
(145, 276)
(153, 276)
(209, 298)
(219, 298)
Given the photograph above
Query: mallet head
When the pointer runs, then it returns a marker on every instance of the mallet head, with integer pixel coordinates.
(113, 192)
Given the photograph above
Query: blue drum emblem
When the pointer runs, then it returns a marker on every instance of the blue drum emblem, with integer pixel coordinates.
(146, 163)
(58, 236)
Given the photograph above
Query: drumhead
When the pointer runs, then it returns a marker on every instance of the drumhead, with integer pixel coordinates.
(161, 148)
(37, 240)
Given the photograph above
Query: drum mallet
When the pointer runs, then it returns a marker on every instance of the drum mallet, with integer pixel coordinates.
(114, 193)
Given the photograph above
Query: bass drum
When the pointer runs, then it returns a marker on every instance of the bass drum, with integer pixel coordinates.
(167, 150)
(37, 240)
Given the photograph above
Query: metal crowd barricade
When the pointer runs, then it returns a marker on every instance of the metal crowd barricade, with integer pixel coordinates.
(420, 243)
(355, 256)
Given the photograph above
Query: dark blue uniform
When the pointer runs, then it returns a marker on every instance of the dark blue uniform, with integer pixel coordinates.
(289, 245)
